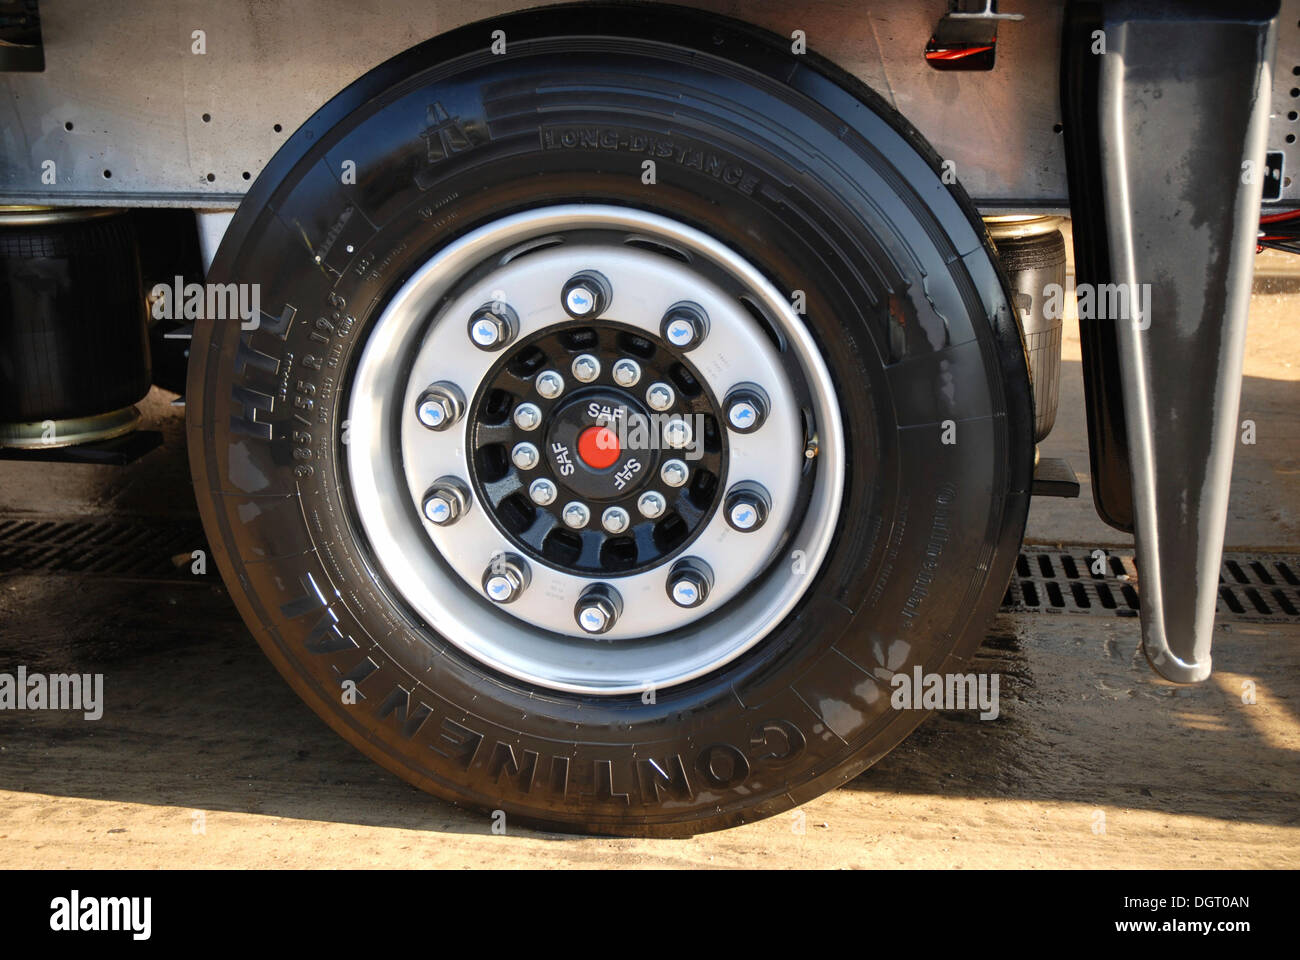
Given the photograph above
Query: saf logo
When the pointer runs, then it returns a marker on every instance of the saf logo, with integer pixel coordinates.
(624, 476)
(563, 461)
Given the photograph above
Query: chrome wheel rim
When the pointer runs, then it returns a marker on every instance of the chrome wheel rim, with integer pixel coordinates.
(472, 578)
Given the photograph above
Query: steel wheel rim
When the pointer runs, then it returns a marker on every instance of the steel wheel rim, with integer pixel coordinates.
(391, 457)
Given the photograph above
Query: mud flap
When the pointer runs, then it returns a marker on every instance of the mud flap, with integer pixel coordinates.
(1168, 149)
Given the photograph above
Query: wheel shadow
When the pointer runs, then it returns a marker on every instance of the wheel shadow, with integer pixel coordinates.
(200, 720)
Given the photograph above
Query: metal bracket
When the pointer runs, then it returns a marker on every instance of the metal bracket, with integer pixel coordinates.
(966, 36)
(1054, 477)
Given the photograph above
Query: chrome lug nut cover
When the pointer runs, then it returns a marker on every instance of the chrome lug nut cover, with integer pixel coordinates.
(586, 368)
(549, 384)
(441, 405)
(598, 608)
(493, 325)
(576, 514)
(674, 472)
(615, 519)
(685, 325)
(586, 295)
(446, 501)
(525, 456)
(506, 577)
(660, 396)
(440, 509)
(434, 413)
(689, 582)
(528, 416)
(579, 301)
(651, 504)
(627, 372)
(747, 505)
(747, 407)
(677, 433)
(542, 491)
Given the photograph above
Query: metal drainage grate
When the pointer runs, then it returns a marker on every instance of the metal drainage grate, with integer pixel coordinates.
(135, 548)
(1251, 586)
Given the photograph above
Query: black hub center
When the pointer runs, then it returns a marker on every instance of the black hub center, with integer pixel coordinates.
(599, 446)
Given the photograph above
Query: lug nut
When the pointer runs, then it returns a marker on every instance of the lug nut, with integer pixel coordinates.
(440, 405)
(549, 384)
(615, 519)
(651, 504)
(674, 473)
(441, 509)
(586, 295)
(446, 501)
(524, 456)
(746, 506)
(660, 396)
(576, 514)
(527, 416)
(626, 372)
(435, 413)
(685, 325)
(586, 368)
(677, 433)
(542, 491)
(747, 407)
(506, 577)
(689, 582)
(598, 609)
(493, 325)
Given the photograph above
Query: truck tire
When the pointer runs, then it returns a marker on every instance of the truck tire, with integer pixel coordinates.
(757, 233)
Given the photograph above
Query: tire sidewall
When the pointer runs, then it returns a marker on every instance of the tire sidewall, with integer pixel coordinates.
(925, 529)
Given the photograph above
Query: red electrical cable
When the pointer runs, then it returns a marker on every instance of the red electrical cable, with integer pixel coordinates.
(1279, 217)
(958, 53)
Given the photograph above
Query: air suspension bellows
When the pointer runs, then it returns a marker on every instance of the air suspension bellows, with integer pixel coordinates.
(74, 349)
(1032, 252)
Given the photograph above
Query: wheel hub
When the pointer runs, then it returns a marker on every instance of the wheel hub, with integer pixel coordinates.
(623, 499)
(582, 445)
(562, 470)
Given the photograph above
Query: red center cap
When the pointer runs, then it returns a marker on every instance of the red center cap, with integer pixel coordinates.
(598, 447)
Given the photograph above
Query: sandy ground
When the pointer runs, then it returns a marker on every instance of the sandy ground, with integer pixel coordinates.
(204, 757)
